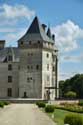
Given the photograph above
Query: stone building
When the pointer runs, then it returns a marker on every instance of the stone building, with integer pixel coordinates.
(30, 70)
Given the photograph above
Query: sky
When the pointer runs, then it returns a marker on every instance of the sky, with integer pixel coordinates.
(65, 18)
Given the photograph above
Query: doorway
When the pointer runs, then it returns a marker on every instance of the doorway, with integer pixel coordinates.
(25, 95)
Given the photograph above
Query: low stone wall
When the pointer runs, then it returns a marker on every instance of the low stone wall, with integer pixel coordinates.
(63, 101)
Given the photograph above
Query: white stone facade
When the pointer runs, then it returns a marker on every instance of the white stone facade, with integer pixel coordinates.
(32, 71)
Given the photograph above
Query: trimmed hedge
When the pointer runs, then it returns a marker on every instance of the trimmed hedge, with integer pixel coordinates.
(76, 109)
(41, 104)
(6, 103)
(49, 108)
(1, 104)
(80, 103)
(73, 119)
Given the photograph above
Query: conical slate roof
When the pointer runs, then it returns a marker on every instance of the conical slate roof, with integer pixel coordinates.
(36, 32)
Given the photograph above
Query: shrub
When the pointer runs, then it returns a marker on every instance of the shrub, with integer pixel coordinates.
(73, 119)
(70, 95)
(49, 108)
(80, 103)
(1, 104)
(41, 104)
(6, 103)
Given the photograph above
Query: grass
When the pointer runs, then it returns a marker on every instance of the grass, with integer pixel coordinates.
(59, 115)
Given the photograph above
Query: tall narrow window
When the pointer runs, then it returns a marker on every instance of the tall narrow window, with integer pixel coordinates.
(30, 42)
(9, 78)
(9, 92)
(10, 67)
(47, 55)
(47, 66)
(37, 67)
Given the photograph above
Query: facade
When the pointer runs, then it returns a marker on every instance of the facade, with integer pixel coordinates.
(30, 70)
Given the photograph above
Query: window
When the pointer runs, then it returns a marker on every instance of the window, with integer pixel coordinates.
(30, 42)
(21, 42)
(28, 67)
(53, 68)
(38, 42)
(9, 78)
(9, 67)
(47, 55)
(29, 79)
(47, 66)
(9, 58)
(48, 78)
(31, 67)
(37, 67)
(9, 92)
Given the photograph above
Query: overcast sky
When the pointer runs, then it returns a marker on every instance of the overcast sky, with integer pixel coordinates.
(65, 17)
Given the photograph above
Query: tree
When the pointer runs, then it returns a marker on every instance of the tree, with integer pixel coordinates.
(70, 95)
(75, 84)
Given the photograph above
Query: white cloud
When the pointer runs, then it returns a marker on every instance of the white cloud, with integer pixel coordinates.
(67, 36)
(74, 59)
(12, 37)
(9, 12)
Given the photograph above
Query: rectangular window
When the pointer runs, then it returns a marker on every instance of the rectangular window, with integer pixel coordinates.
(9, 67)
(9, 78)
(9, 92)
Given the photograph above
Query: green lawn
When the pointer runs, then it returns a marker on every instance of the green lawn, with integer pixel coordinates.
(59, 116)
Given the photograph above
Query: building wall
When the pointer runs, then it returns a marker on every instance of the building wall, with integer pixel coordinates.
(4, 85)
(47, 75)
(30, 78)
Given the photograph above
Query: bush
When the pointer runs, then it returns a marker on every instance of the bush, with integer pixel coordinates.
(49, 108)
(73, 119)
(41, 104)
(70, 95)
(80, 103)
(1, 104)
(6, 103)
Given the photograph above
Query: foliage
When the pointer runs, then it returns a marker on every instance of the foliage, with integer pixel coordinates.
(1, 104)
(71, 108)
(73, 119)
(74, 84)
(40, 104)
(80, 103)
(70, 95)
(49, 108)
(6, 103)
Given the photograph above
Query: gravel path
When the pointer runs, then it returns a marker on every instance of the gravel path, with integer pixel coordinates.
(23, 114)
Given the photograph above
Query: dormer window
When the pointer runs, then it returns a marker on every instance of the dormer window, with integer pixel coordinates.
(9, 58)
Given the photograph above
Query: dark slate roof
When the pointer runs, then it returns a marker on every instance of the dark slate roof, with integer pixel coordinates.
(9, 51)
(36, 32)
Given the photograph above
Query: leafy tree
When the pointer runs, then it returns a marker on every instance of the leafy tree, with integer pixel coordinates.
(70, 95)
(75, 84)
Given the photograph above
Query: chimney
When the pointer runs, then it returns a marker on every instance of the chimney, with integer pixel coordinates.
(2, 44)
(44, 26)
(53, 37)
